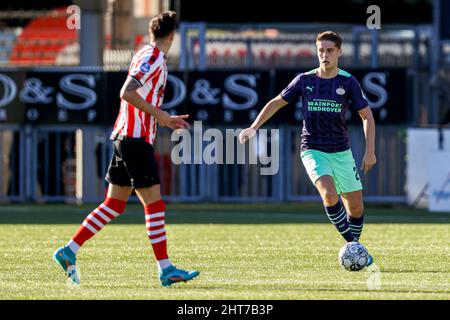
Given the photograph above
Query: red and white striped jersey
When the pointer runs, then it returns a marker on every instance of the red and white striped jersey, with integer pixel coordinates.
(148, 66)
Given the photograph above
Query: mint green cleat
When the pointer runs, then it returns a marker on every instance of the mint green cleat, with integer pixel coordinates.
(67, 260)
(171, 275)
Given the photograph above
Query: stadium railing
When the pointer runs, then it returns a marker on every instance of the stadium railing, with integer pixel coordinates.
(67, 164)
(293, 45)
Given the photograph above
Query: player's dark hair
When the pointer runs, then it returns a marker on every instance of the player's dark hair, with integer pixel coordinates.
(163, 24)
(330, 36)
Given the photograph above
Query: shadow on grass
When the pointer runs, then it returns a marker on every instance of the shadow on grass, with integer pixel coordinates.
(319, 289)
(411, 271)
(375, 291)
(214, 213)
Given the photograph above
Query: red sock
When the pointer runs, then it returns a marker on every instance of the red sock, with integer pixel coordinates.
(107, 211)
(154, 221)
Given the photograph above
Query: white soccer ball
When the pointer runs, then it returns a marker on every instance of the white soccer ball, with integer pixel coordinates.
(353, 256)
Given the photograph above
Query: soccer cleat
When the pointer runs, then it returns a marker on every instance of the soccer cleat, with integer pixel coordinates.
(171, 275)
(67, 260)
(369, 261)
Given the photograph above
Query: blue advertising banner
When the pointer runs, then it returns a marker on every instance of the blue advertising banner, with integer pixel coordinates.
(215, 97)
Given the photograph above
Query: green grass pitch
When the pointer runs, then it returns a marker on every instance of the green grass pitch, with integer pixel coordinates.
(277, 251)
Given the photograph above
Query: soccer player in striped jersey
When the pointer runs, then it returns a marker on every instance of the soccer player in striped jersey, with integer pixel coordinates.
(325, 150)
(133, 165)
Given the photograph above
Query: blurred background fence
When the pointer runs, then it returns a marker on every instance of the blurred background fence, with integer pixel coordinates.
(59, 85)
(40, 164)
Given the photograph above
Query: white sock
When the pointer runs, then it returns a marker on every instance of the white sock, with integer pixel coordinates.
(162, 264)
(73, 246)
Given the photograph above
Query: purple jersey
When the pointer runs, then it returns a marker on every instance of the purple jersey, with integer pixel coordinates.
(324, 104)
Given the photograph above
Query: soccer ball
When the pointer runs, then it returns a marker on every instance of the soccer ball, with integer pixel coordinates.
(353, 256)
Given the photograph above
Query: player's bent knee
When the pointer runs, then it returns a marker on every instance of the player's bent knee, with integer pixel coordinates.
(149, 195)
(356, 210)
(330, 198)
(119, 192)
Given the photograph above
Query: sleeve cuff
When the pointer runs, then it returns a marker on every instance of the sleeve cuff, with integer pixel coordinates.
(136, 80)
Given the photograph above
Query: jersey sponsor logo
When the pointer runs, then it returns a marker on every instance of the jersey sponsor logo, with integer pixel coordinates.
(324, 105)
(145, 67)
(340, 91)
(310, 88)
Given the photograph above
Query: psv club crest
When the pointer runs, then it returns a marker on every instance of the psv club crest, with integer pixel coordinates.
(340, 91)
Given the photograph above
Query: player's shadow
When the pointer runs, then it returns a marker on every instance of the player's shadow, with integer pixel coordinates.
(375, 291)
(415, 271)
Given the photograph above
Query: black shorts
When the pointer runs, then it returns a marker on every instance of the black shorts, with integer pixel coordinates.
(133, 164)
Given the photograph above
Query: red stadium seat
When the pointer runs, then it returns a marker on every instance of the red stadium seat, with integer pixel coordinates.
(242, 52)
(42, 39)
(227, 52)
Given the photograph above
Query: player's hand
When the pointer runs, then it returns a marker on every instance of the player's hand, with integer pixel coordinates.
(175, 122)
(368, 162)
(246, 134)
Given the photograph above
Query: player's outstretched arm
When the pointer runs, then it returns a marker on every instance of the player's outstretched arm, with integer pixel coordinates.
(266, 113)
(129, 94)
(369, 159)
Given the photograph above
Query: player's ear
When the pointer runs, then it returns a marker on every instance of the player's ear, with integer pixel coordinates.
(339, 52)
(172, 36)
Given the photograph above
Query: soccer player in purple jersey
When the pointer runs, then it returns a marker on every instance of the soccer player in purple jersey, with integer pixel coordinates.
(326, 93)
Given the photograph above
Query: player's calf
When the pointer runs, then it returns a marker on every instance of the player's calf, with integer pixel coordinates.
(356, 225)
(338, 217)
